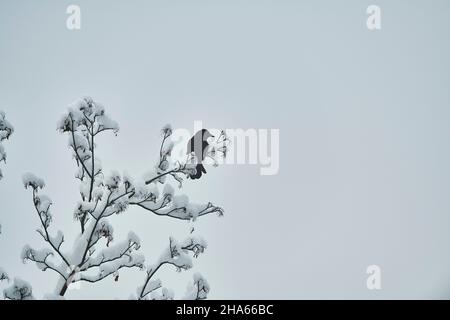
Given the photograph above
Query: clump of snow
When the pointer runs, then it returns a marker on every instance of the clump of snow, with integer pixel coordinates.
(166, 130)
(199, 289)
(167, 148)
(180, 201)
(196, 245)
(168, 190)
(85, 112)
(113, 180)
(165, 294)
(30, 180)
(3, 275)
(6, 130)
(19, 290)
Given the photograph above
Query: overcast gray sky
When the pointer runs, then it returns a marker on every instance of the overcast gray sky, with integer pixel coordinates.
(364, 136)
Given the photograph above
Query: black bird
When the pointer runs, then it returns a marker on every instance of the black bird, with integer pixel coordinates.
(199, 145)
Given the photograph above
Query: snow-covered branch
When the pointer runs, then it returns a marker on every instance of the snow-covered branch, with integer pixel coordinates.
(111, 259)
(3, 275)
(83, 123)
(6, 130)
(174, 206)
(42, 205)
(19, 290)
(199, 289)
(168, 204)
(95, 255)
(41, 258)
(177, 255)
(165, 167)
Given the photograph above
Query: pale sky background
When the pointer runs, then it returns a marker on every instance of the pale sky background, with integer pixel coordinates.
(363, 117)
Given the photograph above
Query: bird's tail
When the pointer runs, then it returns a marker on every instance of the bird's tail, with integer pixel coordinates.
(200, 169)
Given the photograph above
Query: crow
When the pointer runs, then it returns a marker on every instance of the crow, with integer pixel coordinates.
(199, 145)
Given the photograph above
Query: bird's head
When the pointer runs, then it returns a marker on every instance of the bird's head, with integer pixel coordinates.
(206, 135)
